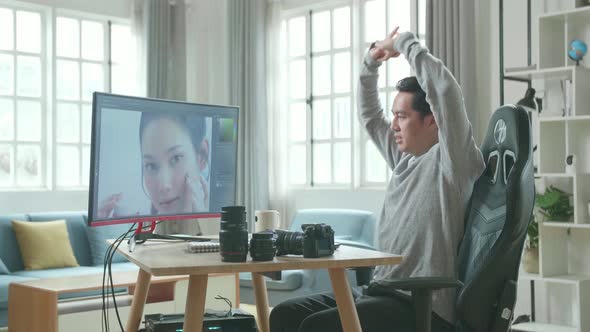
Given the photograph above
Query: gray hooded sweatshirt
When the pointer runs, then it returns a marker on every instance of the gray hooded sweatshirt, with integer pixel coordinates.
(424, 209)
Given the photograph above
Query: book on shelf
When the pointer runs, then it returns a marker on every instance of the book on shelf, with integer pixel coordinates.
(198, 247)
(567, 94)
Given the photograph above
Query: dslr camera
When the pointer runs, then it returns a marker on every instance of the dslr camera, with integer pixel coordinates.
(316, 240)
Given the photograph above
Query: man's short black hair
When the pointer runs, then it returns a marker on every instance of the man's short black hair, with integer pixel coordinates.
(419, 104)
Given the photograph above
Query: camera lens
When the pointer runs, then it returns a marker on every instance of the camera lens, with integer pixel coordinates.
(233, 236)
(289, 243)
(262, 246)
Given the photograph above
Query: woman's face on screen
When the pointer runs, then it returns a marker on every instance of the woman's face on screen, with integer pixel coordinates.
(168, 156)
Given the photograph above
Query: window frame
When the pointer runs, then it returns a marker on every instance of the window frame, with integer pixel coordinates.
(44, 13)
(388, 89)
(358, 137)
(106, 65)
(307, 12)
(48, 99)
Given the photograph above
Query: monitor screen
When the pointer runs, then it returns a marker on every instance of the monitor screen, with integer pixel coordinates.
(158, 159)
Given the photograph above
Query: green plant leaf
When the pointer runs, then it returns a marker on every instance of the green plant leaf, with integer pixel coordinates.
(554, 205)
(548, 199)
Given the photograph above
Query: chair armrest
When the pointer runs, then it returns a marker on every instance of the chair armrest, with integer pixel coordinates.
(417, 283)
(364, 274)
(421, 288)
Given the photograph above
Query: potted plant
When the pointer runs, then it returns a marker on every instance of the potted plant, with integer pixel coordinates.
(530, 259)
(553, 205)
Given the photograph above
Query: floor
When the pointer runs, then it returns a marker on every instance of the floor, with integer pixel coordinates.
(250, 308)
(246, 307)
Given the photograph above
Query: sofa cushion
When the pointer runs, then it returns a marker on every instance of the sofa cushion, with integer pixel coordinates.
(76, 222)
(290, 280)
(356, 244)
(359, 224)
(97, 237)
(9, 251)
(3, 268)
(44, 245)
(5, 280)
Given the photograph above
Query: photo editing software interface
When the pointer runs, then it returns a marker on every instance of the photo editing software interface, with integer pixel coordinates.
(158, 158)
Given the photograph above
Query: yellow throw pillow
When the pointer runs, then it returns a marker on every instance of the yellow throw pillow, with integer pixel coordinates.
(45, 244)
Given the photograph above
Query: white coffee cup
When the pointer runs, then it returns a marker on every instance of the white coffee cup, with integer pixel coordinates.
(266, 219)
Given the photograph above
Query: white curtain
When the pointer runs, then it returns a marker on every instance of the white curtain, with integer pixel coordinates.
(248, 91)
(277, 120)
(450, 36)
(160, 28)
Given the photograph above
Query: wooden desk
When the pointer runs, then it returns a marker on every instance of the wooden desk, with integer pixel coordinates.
(164, 259)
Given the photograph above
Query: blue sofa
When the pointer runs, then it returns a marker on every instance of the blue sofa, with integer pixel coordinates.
(351, 227)
(79, 239)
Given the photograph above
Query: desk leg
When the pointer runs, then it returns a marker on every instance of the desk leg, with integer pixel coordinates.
(195, 303)
(139, 298)
(31, 309)
(346, 308)
(261, 301)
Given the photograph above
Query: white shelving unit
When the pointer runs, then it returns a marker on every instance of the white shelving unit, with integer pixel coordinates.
(564, 247)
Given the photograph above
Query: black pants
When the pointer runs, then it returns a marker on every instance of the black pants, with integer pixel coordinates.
(376, 313)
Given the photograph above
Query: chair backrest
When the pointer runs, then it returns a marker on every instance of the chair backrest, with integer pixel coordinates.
(497, 218)
(348, 224)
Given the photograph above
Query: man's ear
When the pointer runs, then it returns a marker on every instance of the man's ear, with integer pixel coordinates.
(430, 121)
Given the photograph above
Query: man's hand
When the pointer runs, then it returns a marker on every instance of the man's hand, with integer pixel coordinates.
(384, 50)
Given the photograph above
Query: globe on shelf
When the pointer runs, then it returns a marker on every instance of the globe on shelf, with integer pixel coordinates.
(577, 50)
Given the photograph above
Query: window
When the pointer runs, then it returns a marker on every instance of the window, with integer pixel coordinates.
(46, 99)
(327, 110)
(22, 98)
(380, 17)
(320, 84)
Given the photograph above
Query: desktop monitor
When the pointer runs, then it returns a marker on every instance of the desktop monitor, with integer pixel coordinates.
(155, 160)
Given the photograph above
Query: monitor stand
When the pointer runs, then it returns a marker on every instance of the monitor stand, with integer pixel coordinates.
(140, 236)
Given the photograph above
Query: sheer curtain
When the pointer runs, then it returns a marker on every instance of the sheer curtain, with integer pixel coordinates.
(160, 28)
(276, 131)
(248, 91)
(450, 36)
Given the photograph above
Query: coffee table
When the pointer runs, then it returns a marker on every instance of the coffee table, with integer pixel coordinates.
(34, 307)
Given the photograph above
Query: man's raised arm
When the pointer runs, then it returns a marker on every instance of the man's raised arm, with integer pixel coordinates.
(443, 93)
(370, 110)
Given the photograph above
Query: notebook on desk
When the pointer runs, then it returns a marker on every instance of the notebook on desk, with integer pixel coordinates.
(198, 247)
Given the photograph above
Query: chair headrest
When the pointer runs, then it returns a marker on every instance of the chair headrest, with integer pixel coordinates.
(508, 140)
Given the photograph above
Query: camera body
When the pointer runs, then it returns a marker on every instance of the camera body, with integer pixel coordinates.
(316, 240)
